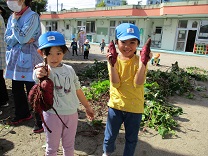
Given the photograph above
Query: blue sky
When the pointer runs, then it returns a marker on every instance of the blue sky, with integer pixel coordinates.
(67, 4)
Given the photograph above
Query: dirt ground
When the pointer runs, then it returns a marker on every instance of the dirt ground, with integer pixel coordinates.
(191, 138)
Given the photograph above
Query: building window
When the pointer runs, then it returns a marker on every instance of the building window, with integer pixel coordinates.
(183, 24)
(158, 30)
(54, 26)
(203, 31)
(194, 24)
(79, 23)
(67, 26)
(126, 21)
(51, 26)
(132, 22)
(112, 23)
(90, 27)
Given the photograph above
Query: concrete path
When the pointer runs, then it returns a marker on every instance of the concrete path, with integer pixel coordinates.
(185, 59)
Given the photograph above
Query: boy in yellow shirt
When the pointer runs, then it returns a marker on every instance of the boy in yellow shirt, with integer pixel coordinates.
(127, 78)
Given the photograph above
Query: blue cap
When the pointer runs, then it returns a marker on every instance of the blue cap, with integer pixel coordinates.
(50, 39)
(127, 31)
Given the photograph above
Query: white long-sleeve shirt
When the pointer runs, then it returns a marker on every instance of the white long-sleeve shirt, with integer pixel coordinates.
(66, 82)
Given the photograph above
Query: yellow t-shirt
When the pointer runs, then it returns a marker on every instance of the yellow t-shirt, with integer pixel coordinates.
(126, 95)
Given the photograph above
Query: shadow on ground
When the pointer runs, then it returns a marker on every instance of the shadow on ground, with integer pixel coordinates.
(5, 146)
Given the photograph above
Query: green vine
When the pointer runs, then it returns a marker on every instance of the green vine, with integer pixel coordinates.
(158, 114)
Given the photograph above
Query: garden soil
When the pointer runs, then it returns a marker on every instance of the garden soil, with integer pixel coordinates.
(191, 137)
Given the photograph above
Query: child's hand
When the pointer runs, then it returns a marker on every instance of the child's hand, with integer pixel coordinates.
(90, 113)
(112, 54)
(150, 57)
(145, 52)
(108, 55)
(41, 72)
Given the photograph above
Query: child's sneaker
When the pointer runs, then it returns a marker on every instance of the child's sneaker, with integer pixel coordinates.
(38, 129)
(17, 120)
(5, 105)
(106, 154)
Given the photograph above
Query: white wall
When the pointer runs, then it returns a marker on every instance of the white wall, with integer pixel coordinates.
(146, 26)
(141, 24)
(169, 32)
(42, 25)
(105, 24)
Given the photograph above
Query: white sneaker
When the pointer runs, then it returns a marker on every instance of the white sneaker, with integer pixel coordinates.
(6, 105)
(106, 154)
(1, 112)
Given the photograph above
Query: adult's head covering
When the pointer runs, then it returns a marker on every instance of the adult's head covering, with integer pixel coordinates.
(126, 31)
(51, 39)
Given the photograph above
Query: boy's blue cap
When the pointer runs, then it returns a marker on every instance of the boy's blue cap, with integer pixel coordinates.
(127, 31)
(50, 39)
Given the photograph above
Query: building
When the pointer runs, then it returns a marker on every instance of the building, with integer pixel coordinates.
(139, 2)
(161, 1)
(178, 26)
(110, 2)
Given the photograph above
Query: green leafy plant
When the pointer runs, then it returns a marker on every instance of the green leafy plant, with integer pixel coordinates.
(96, 71)
(197, 73)
(175, 81)
(96, 89)
(190, 95)
(98, 94)
(158, 114)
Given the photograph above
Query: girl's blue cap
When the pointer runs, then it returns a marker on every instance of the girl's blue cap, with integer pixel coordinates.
(126, 31)
(51, 39)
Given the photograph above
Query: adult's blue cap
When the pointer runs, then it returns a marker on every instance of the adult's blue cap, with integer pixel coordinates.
(51, 39)
(126, 31)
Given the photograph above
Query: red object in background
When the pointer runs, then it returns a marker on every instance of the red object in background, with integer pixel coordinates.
(112, 50)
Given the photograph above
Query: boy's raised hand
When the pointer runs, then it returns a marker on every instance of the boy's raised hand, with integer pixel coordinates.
(145, 53)
(111, 53)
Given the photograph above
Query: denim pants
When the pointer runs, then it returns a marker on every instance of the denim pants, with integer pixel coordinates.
(114, 121)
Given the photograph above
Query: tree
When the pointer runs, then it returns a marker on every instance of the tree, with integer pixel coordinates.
(101, 4)
(39, 6)
(8, 11)
(123, 2)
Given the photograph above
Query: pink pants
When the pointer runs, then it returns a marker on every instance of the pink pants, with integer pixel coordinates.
(59, 131)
